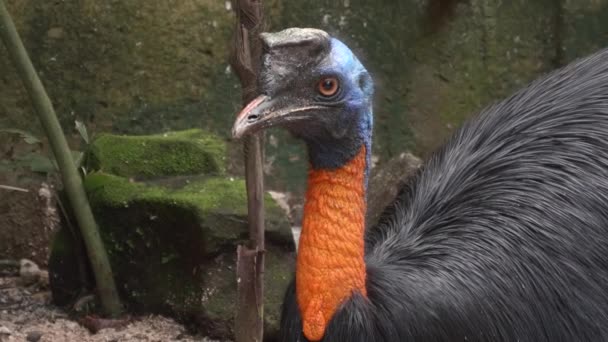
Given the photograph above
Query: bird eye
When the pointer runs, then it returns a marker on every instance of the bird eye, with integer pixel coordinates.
(328, 86)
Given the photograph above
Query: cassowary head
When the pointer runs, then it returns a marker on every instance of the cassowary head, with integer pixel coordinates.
(315, 87)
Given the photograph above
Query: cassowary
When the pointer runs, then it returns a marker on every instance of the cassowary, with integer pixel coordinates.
(502, 236)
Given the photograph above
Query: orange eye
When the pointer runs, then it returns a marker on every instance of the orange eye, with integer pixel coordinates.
(328, 86)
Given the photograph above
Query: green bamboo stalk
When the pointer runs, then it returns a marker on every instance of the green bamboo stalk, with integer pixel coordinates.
(72, 182)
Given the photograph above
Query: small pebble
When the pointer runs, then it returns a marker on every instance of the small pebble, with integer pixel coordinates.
(33, 336)
(5, 331)
(55, 33)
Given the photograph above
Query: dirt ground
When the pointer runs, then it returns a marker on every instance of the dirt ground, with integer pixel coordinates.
(27, 315)
(28, 221)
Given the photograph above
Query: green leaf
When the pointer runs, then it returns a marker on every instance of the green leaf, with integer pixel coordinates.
(30, 139)
(167, 258)
(42, 165)
(39, 163)
(82, 129)
(5, 166)
(77, 156)
(26, 136)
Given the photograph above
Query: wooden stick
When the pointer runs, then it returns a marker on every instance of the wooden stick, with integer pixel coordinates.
(245, 61)
(13, 188)
(72, 182)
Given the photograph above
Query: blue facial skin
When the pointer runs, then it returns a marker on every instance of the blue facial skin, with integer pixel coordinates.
(350, 122)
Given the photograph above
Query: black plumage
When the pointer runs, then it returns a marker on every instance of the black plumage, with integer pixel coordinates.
(503, 235)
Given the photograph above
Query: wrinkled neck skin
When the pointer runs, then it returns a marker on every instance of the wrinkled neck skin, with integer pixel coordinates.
(330, 263)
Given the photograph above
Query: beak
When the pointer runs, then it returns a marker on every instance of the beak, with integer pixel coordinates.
(264, 112)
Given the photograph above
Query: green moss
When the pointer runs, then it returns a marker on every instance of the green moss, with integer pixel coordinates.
(222, 194)
(109, 188)
(173, 250)
(218, 193)
(218, 202)
(118, 57)
(174, 153)
(278, 275)
(220, 287)
(203, 196)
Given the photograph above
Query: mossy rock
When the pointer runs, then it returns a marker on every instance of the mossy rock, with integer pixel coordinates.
(220, 285)
(172, 249)
(148, 156)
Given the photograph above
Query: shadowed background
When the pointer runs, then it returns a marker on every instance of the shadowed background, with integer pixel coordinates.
(148, 67)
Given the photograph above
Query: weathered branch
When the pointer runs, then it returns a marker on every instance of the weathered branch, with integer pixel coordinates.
(71, 180)
(13, 188)
(245, 61)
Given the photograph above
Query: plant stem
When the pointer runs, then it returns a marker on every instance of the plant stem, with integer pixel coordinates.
(71, 180)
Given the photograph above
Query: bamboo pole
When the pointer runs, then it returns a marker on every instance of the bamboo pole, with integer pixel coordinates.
(72, 182)
(245, 61)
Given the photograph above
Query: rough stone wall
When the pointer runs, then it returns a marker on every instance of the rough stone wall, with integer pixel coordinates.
(142, 66)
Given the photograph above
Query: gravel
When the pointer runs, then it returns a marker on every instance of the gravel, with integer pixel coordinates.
(27, 315)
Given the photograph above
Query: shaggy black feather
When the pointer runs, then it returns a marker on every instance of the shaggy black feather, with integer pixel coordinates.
(503, 236)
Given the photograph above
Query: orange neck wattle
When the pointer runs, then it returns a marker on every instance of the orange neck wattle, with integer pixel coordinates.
(330, 263)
